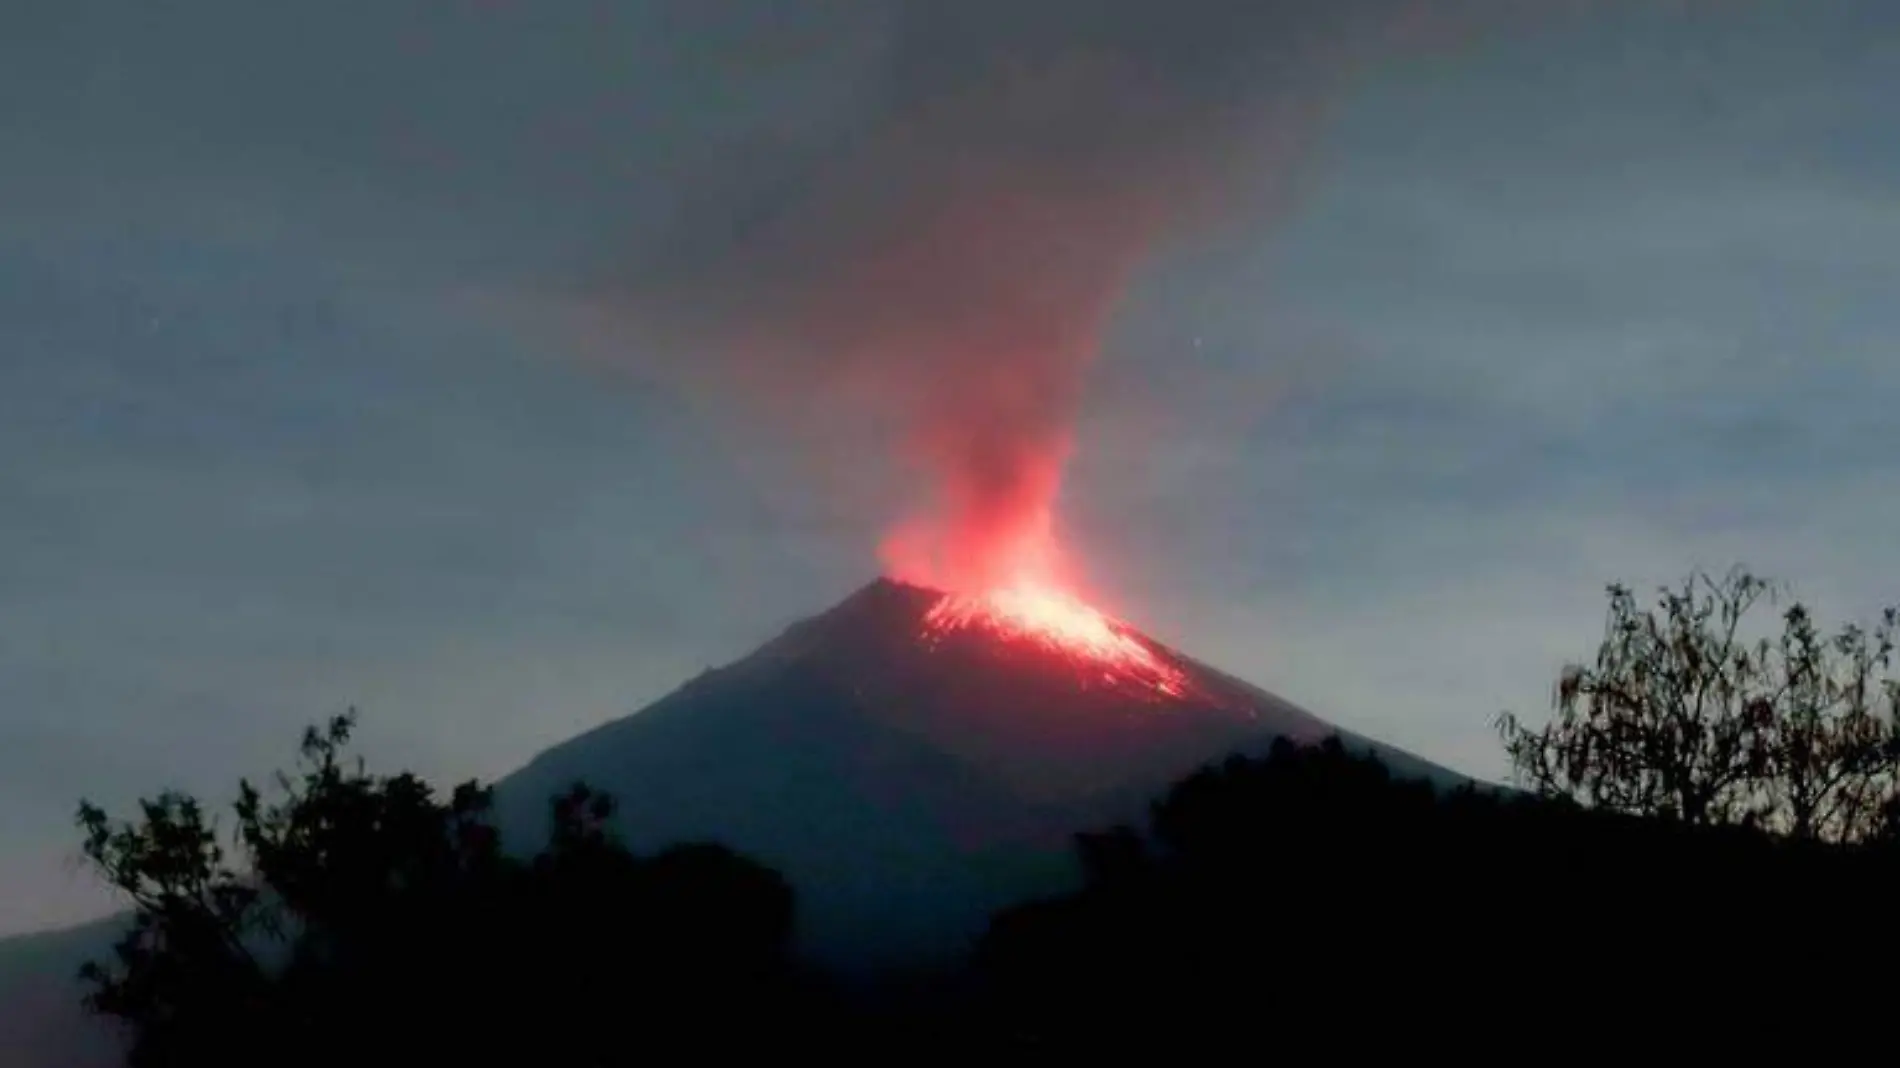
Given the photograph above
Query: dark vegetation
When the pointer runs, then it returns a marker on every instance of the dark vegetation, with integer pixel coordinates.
(374, 922)
(1708, 849)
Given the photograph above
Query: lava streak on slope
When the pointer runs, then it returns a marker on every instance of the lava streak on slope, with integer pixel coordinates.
(1101, 647)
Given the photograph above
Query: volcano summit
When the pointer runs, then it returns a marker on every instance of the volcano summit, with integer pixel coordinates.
(913, 760)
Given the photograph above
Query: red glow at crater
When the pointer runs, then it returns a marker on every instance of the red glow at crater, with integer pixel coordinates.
(991, 544)
(1061, 623)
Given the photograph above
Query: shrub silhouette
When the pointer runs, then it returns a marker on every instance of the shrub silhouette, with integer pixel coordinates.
(1310, 890)
(373, 921)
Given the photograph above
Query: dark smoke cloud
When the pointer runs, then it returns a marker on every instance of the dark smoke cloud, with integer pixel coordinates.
(938, 252)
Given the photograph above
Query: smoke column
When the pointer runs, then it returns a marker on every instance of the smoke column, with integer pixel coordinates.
(932, 235)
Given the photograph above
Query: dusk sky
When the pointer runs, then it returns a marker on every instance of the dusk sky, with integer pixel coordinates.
(382, 354)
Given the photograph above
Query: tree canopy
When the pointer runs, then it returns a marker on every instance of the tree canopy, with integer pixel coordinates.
(362, 916)
(1688, 713)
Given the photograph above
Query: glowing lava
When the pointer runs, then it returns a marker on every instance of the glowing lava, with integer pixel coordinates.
(1061, 623)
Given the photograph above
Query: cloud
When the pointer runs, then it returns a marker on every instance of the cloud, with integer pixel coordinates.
(943, 263)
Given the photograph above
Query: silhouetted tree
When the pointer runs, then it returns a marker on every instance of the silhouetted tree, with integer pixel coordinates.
(1831, 745)
(1683, 715)
(1311, 896)
(366, 919)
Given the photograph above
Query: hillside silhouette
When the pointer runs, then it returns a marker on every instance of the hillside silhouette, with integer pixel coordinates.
(1309, 887)
(1705, 852)
(1704, 855)
(1312, 890)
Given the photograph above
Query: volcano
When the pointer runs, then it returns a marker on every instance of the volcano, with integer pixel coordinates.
(913, 760)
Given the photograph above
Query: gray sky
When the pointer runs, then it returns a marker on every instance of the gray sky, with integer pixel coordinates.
(326, 376)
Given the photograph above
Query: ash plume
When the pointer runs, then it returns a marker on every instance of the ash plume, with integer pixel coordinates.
(929, 236)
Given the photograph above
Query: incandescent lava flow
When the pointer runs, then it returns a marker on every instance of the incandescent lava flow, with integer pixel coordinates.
(1000, 573)
(1060, 624)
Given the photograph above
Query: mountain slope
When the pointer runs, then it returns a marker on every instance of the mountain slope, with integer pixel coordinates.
(911, 776)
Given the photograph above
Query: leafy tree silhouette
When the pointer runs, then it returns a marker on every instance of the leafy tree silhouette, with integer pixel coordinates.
(1681, 715)
(364, 918)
